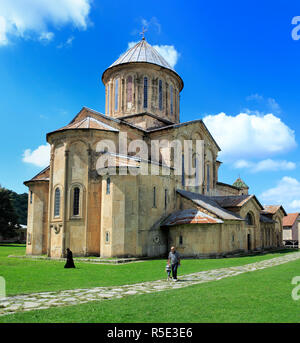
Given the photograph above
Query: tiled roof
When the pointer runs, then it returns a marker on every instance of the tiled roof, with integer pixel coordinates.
(88, 123)
(290, 219)
(209, 204)
(272, 209)
(231, 201)
(41, 176)
(239, 183)
(190, 216)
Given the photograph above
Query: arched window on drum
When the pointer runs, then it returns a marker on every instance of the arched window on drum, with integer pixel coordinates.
(129, 92)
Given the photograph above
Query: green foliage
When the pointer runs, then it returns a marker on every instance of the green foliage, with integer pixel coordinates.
(19, 203)
(8, 217)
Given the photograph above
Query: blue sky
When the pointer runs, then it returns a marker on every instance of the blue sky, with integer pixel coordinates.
(234, 57)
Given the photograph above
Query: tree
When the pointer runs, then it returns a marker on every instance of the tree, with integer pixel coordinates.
(8, 217)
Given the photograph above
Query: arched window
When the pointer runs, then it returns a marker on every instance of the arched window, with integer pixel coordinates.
(76, 197)
(249, 219)
(116, 94)
(180, 240)
(207, 177)
(57, 202)
(160, 95)
(145, 92)
(106, 237)
(129, 92)
(108, 186)
(166, 198)
(171, 99)
(154, 196)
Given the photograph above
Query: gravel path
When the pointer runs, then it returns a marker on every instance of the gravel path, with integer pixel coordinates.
(45, 300)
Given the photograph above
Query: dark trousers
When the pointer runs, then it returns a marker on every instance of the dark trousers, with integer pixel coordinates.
(174, 270)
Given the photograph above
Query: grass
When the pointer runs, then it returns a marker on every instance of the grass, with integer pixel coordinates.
(255, 297)
(27, 276)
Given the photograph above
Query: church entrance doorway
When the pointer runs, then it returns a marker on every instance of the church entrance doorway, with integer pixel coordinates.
(249, 241)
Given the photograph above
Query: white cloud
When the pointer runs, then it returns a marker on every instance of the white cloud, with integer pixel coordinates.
(67, 43)
(267, 104)
(256, 97)
(295, 204)
(39, 157)
(46, 36)
(168, 52)
(265, 165)
(153, 22)
(250, 135)
(286, 193)
(28, 18)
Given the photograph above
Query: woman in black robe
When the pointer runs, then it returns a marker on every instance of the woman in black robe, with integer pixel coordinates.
(70, 262)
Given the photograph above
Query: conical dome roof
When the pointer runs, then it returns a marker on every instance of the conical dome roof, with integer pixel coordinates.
(142, 52)
(240, 183)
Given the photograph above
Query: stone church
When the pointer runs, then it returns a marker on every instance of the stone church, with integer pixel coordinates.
(72, 205)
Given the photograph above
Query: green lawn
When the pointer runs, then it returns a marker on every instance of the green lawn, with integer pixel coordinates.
(28, 276)
(261, 296)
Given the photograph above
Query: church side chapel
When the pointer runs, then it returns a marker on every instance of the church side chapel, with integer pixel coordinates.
(72, 206)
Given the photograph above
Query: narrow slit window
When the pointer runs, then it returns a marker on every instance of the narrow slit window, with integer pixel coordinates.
(166, 198)
(208, 178)
(107, 237)
(57, 202)
(129, 92)
(180, 240)
(108, 186)
(154, 196)
(31, 197)
(76, 196)
(145, 92)
(116, 94)
(160, 95)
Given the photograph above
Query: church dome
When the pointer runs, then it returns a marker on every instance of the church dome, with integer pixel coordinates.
(142, 52)
(240, 183)
(142, 81)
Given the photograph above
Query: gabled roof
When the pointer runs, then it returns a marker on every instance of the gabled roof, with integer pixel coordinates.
(290, 219)
(41, 176)
(88, 123)
(163, 120)
(190, 216)
(173, 126)
(272, 209)
(231, 201)
(209, 204)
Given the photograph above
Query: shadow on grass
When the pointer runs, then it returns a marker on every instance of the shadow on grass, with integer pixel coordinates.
(13, 245)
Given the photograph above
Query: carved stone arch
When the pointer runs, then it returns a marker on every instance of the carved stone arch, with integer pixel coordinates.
(82, 196)
(53, 199)
(129, 104)
(250, 218)
(73, 141)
